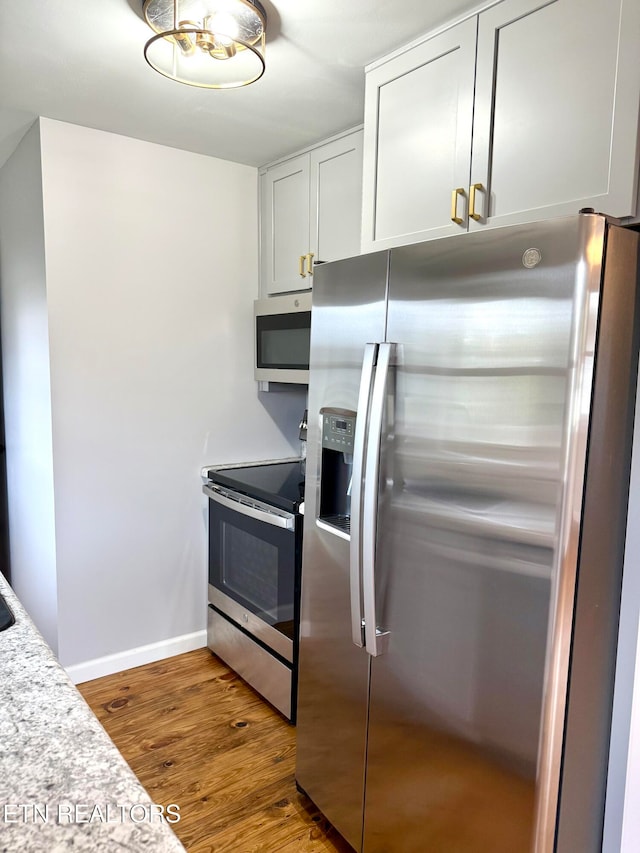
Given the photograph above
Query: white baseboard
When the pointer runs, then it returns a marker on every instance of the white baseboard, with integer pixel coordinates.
(109, 664)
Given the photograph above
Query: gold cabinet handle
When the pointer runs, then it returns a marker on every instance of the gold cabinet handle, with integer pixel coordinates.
(310, 263)
(472, 200)
(454, 205)
(301, 271)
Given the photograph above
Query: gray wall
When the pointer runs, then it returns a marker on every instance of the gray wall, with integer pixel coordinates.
(25, 356)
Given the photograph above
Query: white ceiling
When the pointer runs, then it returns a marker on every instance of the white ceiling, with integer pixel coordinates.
(81, 61)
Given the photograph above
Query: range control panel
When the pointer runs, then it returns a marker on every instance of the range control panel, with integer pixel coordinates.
(338, 430)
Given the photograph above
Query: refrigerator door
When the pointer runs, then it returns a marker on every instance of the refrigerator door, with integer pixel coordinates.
(491, 373)
(349, 308)
(594, 630)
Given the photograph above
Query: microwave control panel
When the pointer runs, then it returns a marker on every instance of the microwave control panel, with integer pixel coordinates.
(338, 430)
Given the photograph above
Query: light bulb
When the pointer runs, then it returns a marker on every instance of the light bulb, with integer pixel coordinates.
(224, 25)
(185, 40)
(223, 49)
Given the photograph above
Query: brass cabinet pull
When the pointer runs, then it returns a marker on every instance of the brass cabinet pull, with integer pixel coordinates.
(310, 263)
(472, 200)
(301, 266)
(454, 205)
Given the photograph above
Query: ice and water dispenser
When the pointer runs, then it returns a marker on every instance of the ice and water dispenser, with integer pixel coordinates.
(336, 467)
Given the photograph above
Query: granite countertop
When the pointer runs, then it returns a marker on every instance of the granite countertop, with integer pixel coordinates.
(63, 784)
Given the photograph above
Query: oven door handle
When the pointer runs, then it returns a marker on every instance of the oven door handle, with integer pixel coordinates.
(275, 517)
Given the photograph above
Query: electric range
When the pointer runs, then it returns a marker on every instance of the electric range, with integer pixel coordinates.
(255, 557)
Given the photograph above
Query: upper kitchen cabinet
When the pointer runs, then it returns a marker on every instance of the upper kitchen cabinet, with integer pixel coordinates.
(552, 127)
(556, 111)
(417, 140)
(310, 212)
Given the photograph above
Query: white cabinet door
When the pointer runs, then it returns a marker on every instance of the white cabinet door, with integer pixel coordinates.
(310, 210)
(336, 198)
(417, 145)
(556, 109)
(285, 225)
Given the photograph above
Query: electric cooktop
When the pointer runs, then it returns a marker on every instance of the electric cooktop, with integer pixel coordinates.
(278, 483)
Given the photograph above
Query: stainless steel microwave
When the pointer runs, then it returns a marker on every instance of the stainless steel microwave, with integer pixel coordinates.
(282, 335)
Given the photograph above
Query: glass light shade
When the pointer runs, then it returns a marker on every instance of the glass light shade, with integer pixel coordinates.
(216, 44)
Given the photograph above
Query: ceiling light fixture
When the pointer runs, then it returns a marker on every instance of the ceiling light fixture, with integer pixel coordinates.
(216, 44)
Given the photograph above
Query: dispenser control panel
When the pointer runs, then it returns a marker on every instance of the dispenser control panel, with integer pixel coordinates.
(338, 430)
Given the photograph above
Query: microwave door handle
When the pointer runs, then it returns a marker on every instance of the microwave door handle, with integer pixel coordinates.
(359, 445)
(276, 519)
(376, 639)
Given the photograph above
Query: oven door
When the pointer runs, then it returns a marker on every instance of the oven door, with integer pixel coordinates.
(252, 566)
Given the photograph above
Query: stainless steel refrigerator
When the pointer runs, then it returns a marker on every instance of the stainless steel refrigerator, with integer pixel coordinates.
(469, 430)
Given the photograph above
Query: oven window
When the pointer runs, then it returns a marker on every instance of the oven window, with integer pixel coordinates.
(254, 564)
(250, 568)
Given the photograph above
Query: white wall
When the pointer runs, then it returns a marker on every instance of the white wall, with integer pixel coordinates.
(622, 816)
(151, 267)
(25, 356)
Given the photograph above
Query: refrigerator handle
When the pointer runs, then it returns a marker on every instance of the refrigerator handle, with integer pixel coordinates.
(359, 445)
(376, 640)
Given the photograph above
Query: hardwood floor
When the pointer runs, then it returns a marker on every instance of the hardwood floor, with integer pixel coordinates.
(195, 734)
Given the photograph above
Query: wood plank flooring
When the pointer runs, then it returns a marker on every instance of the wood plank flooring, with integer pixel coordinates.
(195, 734)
